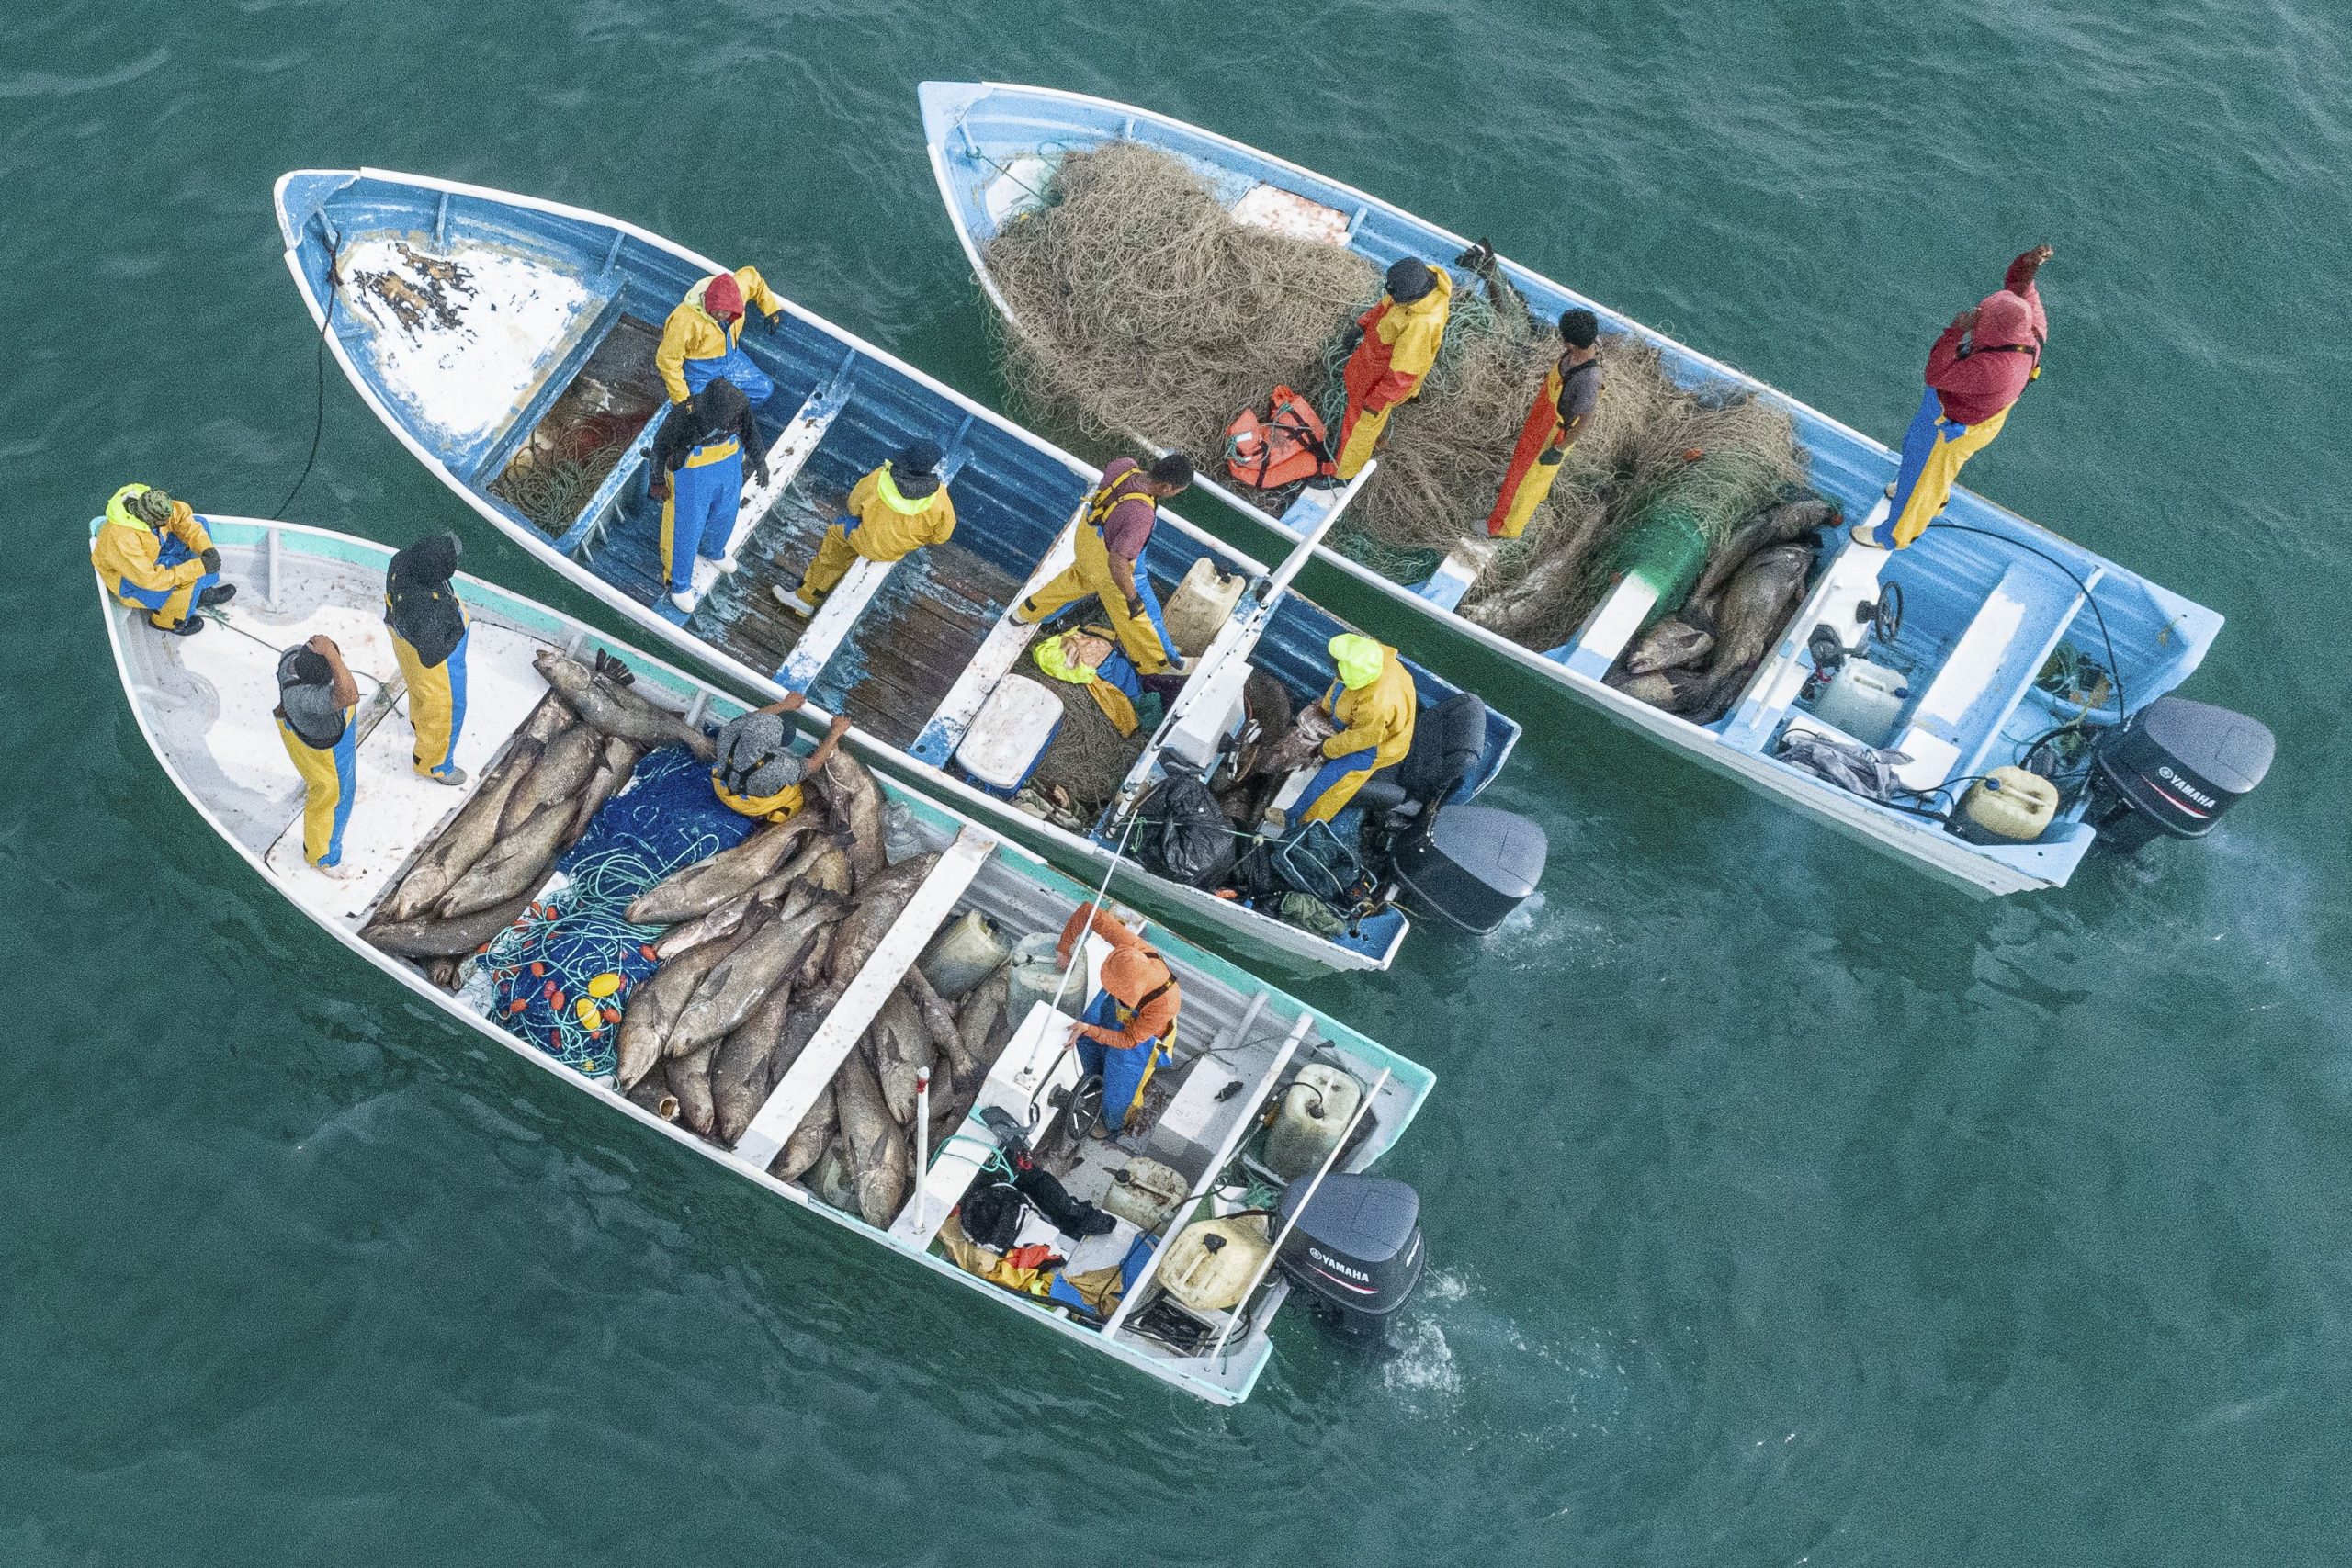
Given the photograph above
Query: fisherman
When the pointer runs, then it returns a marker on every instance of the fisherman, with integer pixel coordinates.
(1563, 407)
(1131, 1022)
(704, 442)
(1372, 705)
(757, 772)
(1392, 346)
(703, 338)
(429, 636)
(316, 714)
(155, 554)
(1111, 539)
(891, 512)
(1976, 371)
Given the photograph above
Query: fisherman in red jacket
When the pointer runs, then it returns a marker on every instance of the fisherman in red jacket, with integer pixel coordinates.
(1975, 372)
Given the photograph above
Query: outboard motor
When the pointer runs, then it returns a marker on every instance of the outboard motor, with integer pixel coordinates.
(2173, 768)
(1356, 1248)
(1469, 865)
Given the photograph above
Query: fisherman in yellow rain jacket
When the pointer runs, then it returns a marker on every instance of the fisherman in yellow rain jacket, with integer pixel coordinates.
(703, 338)
(892, 512)
(756, 770)
(155, 554)
(1394, 343)
(318, 707)
(1373, 704)
(429, 638)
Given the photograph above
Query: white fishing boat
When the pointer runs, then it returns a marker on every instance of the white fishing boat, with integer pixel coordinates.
(1988, 650)
(508, 342)
(205, 701)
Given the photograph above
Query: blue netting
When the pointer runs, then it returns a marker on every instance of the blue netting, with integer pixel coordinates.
(577, 948)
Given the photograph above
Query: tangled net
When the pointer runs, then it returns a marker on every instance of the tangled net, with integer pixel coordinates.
(1145, 309)
(552, 478)
(1088, 758)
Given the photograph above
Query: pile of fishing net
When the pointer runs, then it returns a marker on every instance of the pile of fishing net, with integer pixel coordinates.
(1143, 308)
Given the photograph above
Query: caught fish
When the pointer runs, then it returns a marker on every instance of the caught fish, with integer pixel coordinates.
(738, 983)
(739, 1074)
(438, 938)
(1671, 691)
(874, 1143)
(1519, 607)
(616, 710)
(834, 1181)
(727, 875)
(461, 843)
(1672, 644)
(856, 802)
(820, 865)
(880, 900)
(690, 1081)
(1756, 608)
(1777, 525)
(652, 1092)
(982, 1022)
(721, 922)
(939, 1021)
(562, 773)
(808, 1141)
(809, 1012)
(516, 864)
(613, 770)
(901, 1051)
(654, 1006)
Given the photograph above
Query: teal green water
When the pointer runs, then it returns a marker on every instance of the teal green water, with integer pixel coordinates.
(1785, 1208)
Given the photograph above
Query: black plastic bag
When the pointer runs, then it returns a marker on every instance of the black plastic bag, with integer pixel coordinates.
(1182, 833)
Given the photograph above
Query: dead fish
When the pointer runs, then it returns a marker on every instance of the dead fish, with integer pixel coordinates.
(548, 719)
(874, 1143)
(1754, 611)
(808, 1141)
(856, 802)
(461, 843)
(981, 1020)
(739, 1074)
(1674, 642)
(652, 1092)
(820, 865)
(654, 1006)
(810, 1009)
(729, 874)
(613, 770)
(880, 900)
(690, 1081)
(560, 773)
(833, 1181)
(615, 709)
(738, 983)
(1777, 525)
(718, 922)
(939, 1021)
(902, 1050)
(516, 864)
(1671, 690)
(443, 972)
(436, 938)
(1519, 605)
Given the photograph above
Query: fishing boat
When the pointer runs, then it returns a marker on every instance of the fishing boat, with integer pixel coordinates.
(1988, 650)
(204, 704)
(508, 342)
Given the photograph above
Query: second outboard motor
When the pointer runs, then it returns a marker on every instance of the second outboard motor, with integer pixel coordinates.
(2172, 769)
(1470, 865)
(1356, 1247)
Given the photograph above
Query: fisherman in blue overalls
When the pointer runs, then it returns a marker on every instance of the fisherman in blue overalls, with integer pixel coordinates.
(704, 444)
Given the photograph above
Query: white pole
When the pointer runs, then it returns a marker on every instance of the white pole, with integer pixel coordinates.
(923, 1139)
(1275, 1251)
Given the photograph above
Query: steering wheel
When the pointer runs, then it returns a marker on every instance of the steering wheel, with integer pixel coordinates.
(1886, 616)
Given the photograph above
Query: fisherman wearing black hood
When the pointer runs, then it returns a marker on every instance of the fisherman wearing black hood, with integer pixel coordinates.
(429, 639)
(706, 442)
(891, 512)
(1393, 346)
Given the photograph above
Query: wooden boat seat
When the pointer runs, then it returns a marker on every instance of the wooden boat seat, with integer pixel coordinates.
(1954, 722)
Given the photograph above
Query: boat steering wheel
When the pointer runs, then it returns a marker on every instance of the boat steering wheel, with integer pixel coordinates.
(1886, 616)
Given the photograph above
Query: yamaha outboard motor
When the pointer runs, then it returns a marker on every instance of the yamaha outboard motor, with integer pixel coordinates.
(2173, 768)
(1356, 1247)
(1469, 865)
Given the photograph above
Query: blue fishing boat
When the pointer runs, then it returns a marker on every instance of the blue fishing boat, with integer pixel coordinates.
(2000, 694)
(509, 343)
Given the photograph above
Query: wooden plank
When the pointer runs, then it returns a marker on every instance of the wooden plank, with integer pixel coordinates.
(839, 1034)
(998, 654)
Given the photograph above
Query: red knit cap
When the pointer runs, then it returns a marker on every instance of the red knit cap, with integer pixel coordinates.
(723, 297)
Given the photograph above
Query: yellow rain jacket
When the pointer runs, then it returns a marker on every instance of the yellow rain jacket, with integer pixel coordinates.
(890, 526)
(1379, 715)
(693, 333)
(127, 547)
(1053, 657)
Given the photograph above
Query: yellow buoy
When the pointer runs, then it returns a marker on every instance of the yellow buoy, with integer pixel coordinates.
(604, 985)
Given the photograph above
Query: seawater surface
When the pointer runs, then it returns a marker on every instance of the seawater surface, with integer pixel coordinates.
(1786, 1207)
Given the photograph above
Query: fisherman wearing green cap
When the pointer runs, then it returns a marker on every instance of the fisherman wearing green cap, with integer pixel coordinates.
(155, 554)
(1373, 704)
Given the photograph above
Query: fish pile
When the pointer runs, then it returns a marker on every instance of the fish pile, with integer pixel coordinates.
(1696, 662)
(763, 940)
(476, 878)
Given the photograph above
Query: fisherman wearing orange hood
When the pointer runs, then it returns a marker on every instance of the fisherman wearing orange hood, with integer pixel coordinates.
(1392, 347)
(1975, 372)
(703, 339)
(1128, 1026)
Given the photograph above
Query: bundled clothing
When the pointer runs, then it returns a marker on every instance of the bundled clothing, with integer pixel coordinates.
(1974, 377)
(1119, 520)
(156, 566)
(1088, 657)
(321, 737)
(1563, 407)
(702, 447)
(1388, 364)
(888, 518)
(429, 636)
(1374, 704)
(697, 348)
(1123, 1041)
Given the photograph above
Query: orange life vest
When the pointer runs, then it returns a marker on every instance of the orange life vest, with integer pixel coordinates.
(1286, 444)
